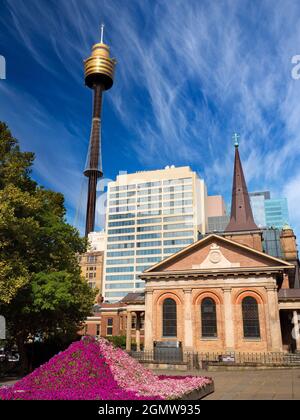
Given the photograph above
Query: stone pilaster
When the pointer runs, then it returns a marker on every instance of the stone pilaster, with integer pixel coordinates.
(138, 331)
(228, 319)
(274, 320)
(296, 330)
(128, 331)
(148, 325)
(188, 326)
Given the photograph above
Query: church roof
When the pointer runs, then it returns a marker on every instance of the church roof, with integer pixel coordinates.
(134, 297)
(270, 261)
(241, 217)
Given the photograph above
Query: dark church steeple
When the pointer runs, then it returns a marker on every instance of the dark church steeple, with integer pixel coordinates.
(241, 217)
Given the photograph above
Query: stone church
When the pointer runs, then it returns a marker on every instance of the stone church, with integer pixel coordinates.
(223, 293)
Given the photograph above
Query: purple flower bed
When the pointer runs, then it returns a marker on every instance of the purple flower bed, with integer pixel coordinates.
(91, 370)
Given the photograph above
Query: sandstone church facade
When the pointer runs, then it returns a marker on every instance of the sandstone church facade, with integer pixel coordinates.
(223, 293)
(215, 295)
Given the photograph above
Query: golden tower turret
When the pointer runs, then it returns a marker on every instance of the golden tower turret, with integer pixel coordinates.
(99, 76)
(99, 67)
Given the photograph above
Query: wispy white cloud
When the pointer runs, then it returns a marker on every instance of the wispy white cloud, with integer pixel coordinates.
(189, 74)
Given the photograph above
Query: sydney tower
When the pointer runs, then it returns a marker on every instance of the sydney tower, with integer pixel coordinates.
(99, 75)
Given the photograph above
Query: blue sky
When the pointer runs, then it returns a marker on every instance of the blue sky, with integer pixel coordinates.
(189, 74)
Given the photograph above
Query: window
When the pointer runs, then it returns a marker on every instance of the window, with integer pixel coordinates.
(177, 188)
(148, 260)
(122, 202)
(149, 198)
(120, 277)
(178, 181)
(119, 286)
(148, 221)
(120, 238)
(147, 244)
(120, 254)
(178, 242)
(148, 228)
(178, 219)
(141, 268)
(116, 294)
(97, 330)
(148, 206)
(177, 196)
(172, 250)
(149, 213)
(109, 327)
(250, 318)
(119, 269)
(92, 284)
(121, 209)
(133, 322)
(178, 210)
(91, 259)
(121, 246)
(149, 184)
(120, 231)
(121, 223)
(179, 233)
(148, 251)
(176, 226)
(122, 194)
(118, 261)
(208, 318)
(169, 318)
(178, 203)
(123, 188)
(148, 236)
(139, 285)
(121, 216)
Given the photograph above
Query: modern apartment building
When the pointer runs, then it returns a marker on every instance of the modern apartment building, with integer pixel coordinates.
(150, 215)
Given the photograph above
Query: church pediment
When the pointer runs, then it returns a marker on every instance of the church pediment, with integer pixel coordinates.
(217, 253)
(215, 259)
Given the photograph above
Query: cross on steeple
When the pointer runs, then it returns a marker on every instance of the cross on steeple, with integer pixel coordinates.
(235, 138)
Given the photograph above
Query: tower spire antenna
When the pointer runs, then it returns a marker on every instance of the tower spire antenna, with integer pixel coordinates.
(102, 32)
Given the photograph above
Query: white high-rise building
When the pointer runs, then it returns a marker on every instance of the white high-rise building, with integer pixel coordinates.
(150, 215)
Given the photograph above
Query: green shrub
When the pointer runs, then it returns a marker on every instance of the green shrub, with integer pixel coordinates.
(118, 341)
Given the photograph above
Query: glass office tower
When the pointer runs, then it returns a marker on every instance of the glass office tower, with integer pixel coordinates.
(277, 214)
(267, 211)
(150, 215)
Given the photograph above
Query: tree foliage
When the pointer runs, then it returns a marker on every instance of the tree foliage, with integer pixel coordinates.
(41, 290)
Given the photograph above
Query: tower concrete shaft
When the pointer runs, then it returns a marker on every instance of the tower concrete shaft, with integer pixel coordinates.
(93, 168)
(99, 74)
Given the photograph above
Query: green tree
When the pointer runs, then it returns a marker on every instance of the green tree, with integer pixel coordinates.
(41, 290)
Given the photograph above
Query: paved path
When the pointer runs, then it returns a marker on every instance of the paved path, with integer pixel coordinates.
(245, 385)
(8, 381)
(252, 384)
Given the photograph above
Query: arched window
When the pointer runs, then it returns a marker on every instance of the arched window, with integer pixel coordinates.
(208, 318)
(169, 318)
(250, 317)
